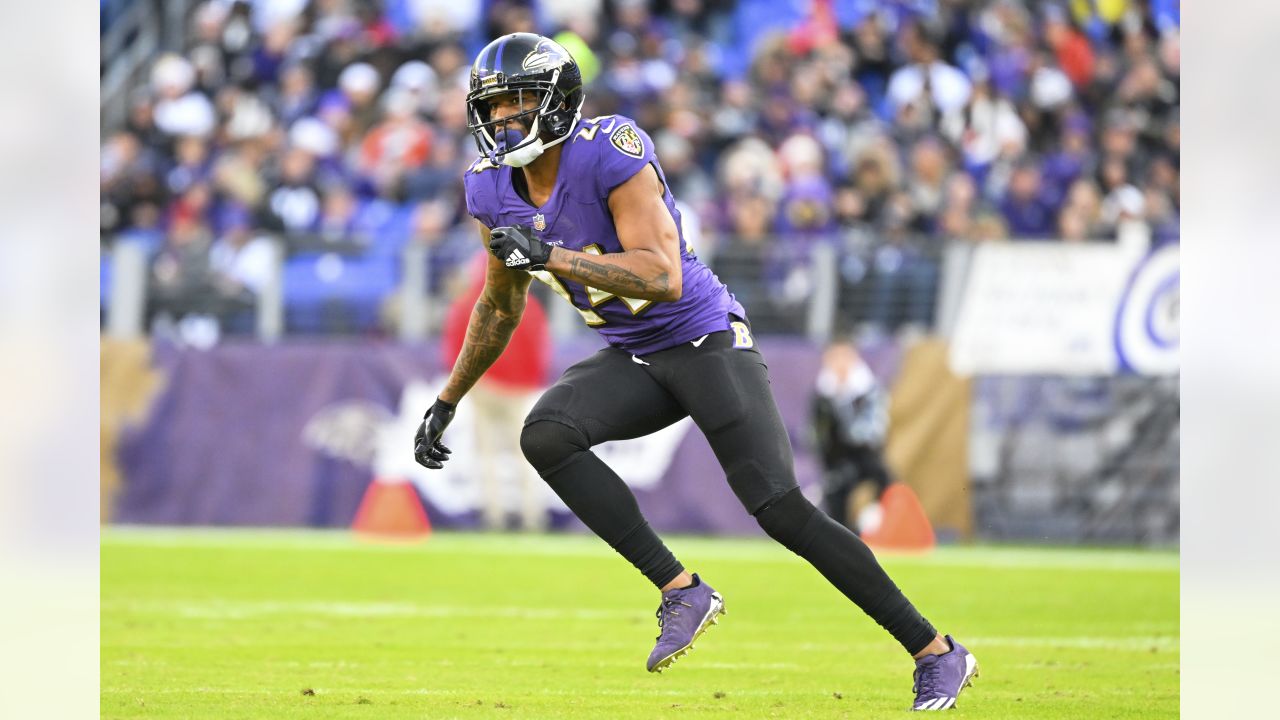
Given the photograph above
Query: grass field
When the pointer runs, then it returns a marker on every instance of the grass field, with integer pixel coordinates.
(296, 624)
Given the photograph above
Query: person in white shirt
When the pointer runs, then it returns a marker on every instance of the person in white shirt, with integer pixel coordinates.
(927, 87)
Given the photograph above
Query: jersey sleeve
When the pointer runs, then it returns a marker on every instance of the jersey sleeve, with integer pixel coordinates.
(623, 153)
(482, 192)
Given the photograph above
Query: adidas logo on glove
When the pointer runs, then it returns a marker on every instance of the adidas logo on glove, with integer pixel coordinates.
(517, 259)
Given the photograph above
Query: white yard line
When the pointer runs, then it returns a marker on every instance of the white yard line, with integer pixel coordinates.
(580, 545)
(234, 610)
(469, 694)
(1123, 642)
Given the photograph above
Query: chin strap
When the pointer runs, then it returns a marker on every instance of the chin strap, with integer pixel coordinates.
(527, 154)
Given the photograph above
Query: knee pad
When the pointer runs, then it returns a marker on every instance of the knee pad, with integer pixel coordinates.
(547, 444)
(790, 519)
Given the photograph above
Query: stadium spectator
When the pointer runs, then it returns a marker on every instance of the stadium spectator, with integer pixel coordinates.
(958, 207)
(926, 87)
(1024, 207)
(180, 273)
(1072, 158)
(237, 173)
(208, 52)
(241, 264)
(421, 84)
(339, 221)
(297, 96)
(734, 115)
(744, 256)
(876, 176)
(989, 129)
(849, 208)
(396, 146)
(293, 204)
(440, 177)
(319, 140)
(141, 120)
(871, 45)
(688, 180)
(129, 173)
(1083, 199)
(192, 166)
(1071, 48)
(359, 84)
(807, 193)
(930, 169)
(181, 109)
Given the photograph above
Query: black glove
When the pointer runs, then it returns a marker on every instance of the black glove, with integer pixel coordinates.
(518, 249)
(427, 448)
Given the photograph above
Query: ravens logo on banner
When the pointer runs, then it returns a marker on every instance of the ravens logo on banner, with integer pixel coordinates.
(628, 141)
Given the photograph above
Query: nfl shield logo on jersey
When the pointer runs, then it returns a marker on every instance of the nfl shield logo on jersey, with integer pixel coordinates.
(539, 222)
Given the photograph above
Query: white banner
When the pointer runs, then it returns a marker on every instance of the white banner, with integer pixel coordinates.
(641, 462)
(1067, 310)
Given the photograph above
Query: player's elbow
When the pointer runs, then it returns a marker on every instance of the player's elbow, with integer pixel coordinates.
(671, 283)
(673, 293)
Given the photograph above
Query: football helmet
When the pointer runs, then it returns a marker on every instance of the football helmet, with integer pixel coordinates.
(523, 63)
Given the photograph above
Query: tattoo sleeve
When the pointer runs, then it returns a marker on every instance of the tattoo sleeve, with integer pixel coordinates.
(492, 324)
(617, 273)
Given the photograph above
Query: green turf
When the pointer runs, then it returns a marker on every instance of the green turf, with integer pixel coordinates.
(293, 624)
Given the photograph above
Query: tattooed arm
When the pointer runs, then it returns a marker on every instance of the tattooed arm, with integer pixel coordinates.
(649, 266)
(494, 319)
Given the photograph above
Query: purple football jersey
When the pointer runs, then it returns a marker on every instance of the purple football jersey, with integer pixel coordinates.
(601, 154)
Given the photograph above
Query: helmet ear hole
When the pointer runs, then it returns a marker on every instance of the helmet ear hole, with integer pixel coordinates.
(557, 124)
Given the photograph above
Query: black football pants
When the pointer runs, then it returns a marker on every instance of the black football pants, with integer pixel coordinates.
(723, 384)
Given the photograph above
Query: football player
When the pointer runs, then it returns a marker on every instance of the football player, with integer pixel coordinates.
(582, 205)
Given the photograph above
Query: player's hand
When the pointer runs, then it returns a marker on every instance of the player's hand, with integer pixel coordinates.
(427, 448)
(518, 249)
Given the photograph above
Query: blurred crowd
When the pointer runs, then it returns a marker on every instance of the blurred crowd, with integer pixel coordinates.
(884, 127)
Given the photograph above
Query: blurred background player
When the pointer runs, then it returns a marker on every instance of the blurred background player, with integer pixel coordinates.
(500, 400)
(850, 419)
(582, 205)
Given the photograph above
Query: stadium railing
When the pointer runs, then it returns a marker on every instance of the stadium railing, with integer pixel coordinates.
(799, 286)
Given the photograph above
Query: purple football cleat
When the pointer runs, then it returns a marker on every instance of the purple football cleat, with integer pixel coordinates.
(940, 678)
(685, 613)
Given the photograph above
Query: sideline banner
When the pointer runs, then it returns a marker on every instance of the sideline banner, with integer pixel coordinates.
(292, 434)
(1068, 310)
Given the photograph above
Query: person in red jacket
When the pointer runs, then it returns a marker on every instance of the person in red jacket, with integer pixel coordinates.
(1070, 47)
(501, 399)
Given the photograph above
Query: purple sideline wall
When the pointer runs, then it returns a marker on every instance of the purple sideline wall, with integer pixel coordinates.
(223, 441)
